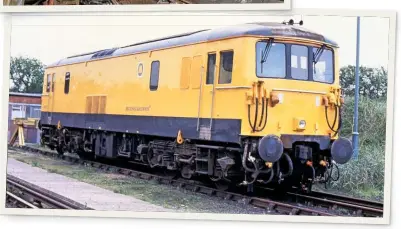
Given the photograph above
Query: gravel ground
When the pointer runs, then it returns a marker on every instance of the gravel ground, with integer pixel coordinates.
(166, 196)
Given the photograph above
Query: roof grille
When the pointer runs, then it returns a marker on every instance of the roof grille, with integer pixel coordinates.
(103, 53)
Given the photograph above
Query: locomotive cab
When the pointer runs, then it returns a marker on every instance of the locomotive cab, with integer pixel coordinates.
(294, 111)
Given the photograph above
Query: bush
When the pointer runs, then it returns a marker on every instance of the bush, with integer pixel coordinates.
(372, 120)
(372, 81)
(364, 177)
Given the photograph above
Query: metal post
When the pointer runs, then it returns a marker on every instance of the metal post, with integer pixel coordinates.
(355, 129)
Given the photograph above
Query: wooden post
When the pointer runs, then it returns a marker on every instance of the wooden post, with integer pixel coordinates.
(19, 132)
(21, 137)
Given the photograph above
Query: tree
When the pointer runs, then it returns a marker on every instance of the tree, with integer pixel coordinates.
(372, 81)
(26, 75)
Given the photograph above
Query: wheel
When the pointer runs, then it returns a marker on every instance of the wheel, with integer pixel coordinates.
(42, 142)
(60, 150)
(186, 172)
(152, 158)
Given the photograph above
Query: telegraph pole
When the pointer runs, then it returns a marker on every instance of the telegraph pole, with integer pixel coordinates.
(355, 128)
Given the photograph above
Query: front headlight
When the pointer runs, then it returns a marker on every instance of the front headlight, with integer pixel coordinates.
(299, 124)
(302, 124)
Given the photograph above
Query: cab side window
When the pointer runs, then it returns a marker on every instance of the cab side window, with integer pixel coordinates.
(211, 66)
(226, 67)
(154, 75)
(49, 82)
(67, 83)
(53, 79)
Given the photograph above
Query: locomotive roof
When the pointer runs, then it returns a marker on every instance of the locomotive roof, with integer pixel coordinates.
(255, 29)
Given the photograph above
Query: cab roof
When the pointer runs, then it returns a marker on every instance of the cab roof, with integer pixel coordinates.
(251, 29)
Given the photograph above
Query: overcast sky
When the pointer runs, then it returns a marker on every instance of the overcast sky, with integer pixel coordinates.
(50, 38)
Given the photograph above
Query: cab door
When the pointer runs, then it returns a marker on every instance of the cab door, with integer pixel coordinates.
(206, 96)
(50, 100)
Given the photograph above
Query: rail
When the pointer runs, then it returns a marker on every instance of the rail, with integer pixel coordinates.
(334, 202)
(23, 194)
(360, 207)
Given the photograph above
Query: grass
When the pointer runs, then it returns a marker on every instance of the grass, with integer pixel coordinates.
(364, 177)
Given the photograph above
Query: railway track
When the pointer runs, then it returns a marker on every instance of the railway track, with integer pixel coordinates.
(333, 202)
(359, 207)
(315, 203)
(348, 205)
(21, 194)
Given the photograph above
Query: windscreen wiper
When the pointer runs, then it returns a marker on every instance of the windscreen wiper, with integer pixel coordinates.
(265, 52)
(317, 55)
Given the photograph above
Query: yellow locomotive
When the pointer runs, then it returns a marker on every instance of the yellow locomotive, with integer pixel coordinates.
(257, 102)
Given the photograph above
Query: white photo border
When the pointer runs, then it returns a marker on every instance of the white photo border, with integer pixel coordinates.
(206, 216)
